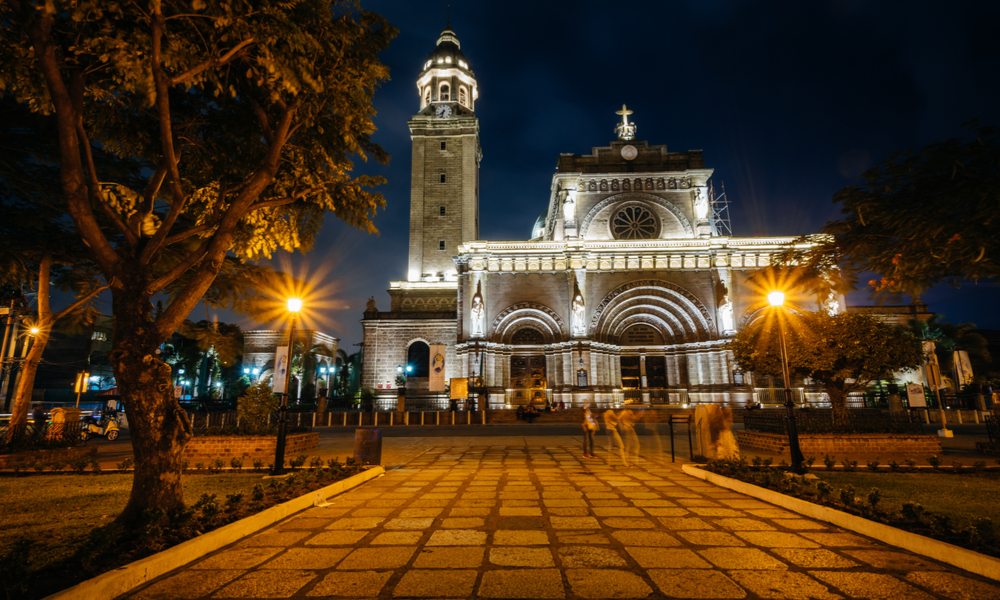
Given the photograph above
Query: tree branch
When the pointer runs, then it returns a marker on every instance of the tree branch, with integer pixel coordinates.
(80, 302)
(179, 269)
(210, 63)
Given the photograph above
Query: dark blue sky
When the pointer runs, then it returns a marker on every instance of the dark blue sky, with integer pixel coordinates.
(790, 101)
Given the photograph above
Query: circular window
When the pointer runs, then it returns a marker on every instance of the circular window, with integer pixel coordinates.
(634, 223)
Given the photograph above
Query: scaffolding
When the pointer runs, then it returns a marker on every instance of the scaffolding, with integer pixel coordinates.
(721, 226)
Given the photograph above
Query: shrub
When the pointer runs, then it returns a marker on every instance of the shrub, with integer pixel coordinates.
(893, 466)
(298, 461)
(849, 465)
(218, 464)
(956, 466)
(979, 466)
(95, 466)
(56, 466)
(873, 465)
(258, 464)
(80, 465)
(809, 461)
(257, 494)
(757, 461)
(184, 464)
(125, 464)
(255, 407)
(934, 462)
(317, 463)
(236, 464)
(39, 466)
(829, 461)
(824, 489)
(911, 463)
(912, 511)
(208, 505)
(874, 495)
(847, 495)
(233, 501)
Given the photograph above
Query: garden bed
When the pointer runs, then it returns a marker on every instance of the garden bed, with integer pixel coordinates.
(58, 531)
(893, 497)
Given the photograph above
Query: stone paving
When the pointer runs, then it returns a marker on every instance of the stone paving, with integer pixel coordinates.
(538, 521)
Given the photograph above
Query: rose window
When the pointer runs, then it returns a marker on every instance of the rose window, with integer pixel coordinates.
(527, 336)
(634, 223)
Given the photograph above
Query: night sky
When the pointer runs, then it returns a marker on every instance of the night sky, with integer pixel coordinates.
(790, 102)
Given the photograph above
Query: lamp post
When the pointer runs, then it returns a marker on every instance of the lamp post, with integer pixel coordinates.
(777, 300)
(294, 306)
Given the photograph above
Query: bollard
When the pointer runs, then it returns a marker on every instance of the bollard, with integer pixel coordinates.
(452, 417)
(368, 445)
(406, 418)
(314, 419)
(422, 418)
(437, 417)
(958, 411)
(345, 419)
(391, 415)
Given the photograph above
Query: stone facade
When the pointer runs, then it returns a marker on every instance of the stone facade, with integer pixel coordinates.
(260, 345)
(626, 283)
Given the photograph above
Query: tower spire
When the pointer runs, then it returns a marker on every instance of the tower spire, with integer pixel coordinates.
(448, 25)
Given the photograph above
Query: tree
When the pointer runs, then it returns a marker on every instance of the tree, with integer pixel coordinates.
(243, 118)
(843, 352)
(924, 217)
(949, 337)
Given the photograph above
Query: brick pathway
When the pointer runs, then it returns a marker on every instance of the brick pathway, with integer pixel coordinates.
(492, 519)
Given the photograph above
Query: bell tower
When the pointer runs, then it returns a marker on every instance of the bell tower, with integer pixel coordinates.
(444, 185)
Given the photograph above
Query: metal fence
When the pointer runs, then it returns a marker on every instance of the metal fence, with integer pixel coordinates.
(776, 396)
(822, 421)
(26, 438)
(993, 428)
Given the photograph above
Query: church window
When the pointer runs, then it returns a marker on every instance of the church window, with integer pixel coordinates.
(444, 145)
(444, 211)
(445, 93)
(447, 59)
(461, 95)
(441, 245)
(633, 223)
(527, 336)
(427, 96)
(443, 178)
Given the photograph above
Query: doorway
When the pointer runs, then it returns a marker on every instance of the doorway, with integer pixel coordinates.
(528, 379)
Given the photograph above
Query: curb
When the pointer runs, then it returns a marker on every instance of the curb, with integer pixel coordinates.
(974, 562)
(128, 577)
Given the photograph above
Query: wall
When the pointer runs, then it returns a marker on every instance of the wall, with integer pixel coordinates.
(386, 342)
(868, 445)
(209, 447)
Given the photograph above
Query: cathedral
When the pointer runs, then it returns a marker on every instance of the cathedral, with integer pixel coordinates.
(627, 289)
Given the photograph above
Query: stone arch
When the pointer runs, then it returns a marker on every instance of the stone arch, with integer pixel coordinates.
(527, 314)
(757, 311)
(678, 313)
(641, 197)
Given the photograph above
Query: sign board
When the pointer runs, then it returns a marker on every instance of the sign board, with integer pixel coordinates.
(82, 379)
(641, 335)
(280, 370)
(436, 382)
(178, 391)
(932, 367)
(963, 368)
(581, 378)
(459, 388)
(738, 378)
(915, 395)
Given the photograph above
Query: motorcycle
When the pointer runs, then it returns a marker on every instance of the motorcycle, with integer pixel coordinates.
(105, 426)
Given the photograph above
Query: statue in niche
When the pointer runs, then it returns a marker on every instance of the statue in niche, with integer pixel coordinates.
(478, 311)
(726, 315)
(700, 203)
(673, 183)
(567, 197)
(832, 305)
(579, 311)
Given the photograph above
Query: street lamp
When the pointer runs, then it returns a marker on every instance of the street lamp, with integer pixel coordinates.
(294, 306)
(777, 301)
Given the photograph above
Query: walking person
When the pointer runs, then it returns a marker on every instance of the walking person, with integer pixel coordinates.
(611, 429)
(626, 420)
(589, 427)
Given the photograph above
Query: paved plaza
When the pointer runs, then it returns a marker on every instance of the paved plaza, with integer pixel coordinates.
(529, 518)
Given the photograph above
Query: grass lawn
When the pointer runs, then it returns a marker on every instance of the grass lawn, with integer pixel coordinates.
(964, 497)
(58, 511)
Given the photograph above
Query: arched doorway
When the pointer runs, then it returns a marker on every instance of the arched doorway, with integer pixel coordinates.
(418, 358)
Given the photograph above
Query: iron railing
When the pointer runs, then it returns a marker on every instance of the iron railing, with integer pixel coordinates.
(776, 396)
(823, 421)
(993, 427)
(26, 438)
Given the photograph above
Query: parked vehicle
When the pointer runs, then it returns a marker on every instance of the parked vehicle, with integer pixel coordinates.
(105, 426)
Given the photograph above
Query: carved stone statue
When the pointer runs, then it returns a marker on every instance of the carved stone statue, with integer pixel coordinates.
(579, 312)
(832, 306)
(726, 315)
(370, 305)
(568, 205)
(700, 203)
(478, 311)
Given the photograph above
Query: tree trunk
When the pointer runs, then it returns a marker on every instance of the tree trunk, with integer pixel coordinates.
(158, 426)
(838, 402)
(26, 380)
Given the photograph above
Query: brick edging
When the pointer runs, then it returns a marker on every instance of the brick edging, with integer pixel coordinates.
(121, 580)
(963, 558)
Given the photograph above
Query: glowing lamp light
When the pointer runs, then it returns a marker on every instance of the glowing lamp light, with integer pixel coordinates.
(294, 305)
(776, 298)
(408, 368)
(256, 371)
(246, 371)
(180, 371)
(34, 330)
(399, 368)
(218, 384)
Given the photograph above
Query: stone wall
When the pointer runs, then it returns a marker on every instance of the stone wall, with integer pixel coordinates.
(387, 341)
(818, 444)
(209, 447)
(66, 455)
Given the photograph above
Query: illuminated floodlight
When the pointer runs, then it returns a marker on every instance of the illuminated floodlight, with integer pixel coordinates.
(776, 298)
